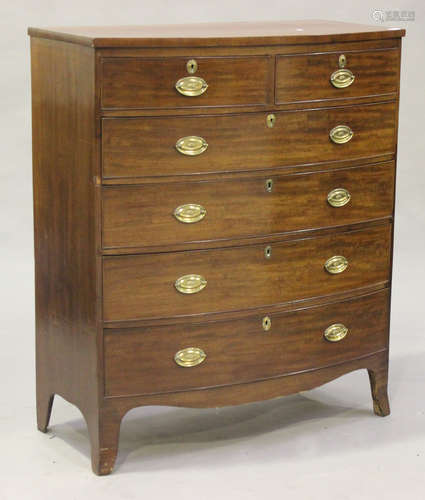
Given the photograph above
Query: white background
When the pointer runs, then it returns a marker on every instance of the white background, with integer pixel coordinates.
(322, 444)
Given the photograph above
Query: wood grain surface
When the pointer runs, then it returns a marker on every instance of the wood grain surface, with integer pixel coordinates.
(142, 216)
(146, 146)
(141, 361)
(142, 286)
(150, 82)
(306, 77)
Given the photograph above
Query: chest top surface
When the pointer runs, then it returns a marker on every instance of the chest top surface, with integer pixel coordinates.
(218, 34)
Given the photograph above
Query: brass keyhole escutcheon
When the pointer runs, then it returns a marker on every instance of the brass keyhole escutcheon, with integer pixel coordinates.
(271, 120)
(267, 323)
(191, 66)
(342, 61)
(268, 252)
(269, 185)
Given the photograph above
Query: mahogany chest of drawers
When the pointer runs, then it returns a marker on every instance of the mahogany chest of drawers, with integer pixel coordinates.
(213, 214)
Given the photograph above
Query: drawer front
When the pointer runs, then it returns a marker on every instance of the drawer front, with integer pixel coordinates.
(239, 278)
(309, 77)
(149, 146)
(174, 213)
(141, 361)
(217, 81)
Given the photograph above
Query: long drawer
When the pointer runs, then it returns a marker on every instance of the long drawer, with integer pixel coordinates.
(158, 146)
(151, 215)
(216, 280)
(143, 361)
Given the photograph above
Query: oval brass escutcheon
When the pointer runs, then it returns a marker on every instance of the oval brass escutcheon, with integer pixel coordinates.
(341, 134)
(190, 283)
(191, 145)
(338, 197)
(268, 252)
(336, 332)
(271, 120)
(190, 213)
(267, 323)
(190, 356)
(269, 185)
(191, 66)
(336, 264)
(191, 86)
(342, 78)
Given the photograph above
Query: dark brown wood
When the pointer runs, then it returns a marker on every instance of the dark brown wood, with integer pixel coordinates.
(65, 233)
(142, 216)
(378, 384)
(105, 112)
(306, 77)
(142, 286)
(150, 82)
(141, 361)
(146, 146)
(219, 34)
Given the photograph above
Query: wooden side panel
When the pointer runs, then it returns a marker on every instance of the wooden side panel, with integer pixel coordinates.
(141, 361)
(242, 278)
(63, 120)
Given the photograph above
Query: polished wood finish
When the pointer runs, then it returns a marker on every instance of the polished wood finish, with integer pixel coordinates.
(107, 178)
(66, 232)
(146, 146)
(306, 77)
(142, 286)
(150, 82)
(238, 34)
(142, 216)
(141, 361)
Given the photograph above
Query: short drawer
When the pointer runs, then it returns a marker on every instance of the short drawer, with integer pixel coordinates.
(150, 215)
(142, 361)
(217, 280)
(160, 146)
(337, 75)
(182, 82)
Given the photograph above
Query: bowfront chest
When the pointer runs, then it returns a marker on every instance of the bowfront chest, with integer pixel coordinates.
(213, 214)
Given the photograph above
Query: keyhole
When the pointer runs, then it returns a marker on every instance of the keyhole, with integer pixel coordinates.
(269, 185)
(268, 252)
(191, 66)
(271, 120)
(267, 323)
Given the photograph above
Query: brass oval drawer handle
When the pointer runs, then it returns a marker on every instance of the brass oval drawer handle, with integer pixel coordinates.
(191, 356)
(342, 78)
(338, 197)
(190, 213)
(190, 283)
(336, 332)
(192, 145)
(191, 86)
(341, 134)
(336, 264)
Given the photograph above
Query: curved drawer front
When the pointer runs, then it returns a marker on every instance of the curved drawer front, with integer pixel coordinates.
(147, 146)
(143, 286)
(175, 213)
(337, 75)
(143, 361)
(181, 82)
